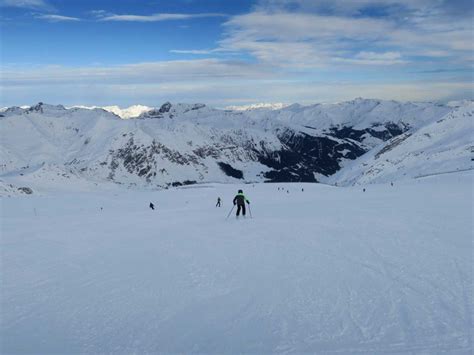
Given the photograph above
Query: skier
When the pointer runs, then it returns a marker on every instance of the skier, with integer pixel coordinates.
(152, 206)
(240, 200)
(218, 204)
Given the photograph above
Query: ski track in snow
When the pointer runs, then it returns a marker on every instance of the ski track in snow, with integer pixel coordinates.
(327, 270)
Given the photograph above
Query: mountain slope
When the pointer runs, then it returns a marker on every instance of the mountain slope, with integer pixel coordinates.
(129, 112)
(445, 145)
(187, 143)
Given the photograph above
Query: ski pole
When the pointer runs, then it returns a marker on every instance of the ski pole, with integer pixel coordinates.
(230, 211)
(250, 211)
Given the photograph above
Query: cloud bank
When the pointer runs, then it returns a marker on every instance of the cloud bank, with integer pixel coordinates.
(281, 50)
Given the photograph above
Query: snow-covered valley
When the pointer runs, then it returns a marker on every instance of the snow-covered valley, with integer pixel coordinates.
(324, 270)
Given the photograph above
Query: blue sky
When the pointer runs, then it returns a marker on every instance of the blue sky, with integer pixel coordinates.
(234, 52)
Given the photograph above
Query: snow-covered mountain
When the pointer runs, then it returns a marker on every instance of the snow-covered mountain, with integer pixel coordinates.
(129, 112)
(262, 105)
(191, 143)
(443, 146)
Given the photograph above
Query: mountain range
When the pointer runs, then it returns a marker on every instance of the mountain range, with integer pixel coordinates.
(355, 142)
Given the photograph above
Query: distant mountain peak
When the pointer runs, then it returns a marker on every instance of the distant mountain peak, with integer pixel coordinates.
(125, 113)
(258, 106)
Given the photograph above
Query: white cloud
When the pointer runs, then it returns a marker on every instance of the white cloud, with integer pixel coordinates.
(223, 92)
(28, 4)
(58, 18)
(378, 56)
(98, 12)
(301, 26)
(139, 73)
(307, 93)
(157, 17)
(303, 39)
(394, 8)
(426, 39)
(373, 58)
(193, 51)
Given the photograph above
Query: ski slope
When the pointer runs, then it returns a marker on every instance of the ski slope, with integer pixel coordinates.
(327, 270)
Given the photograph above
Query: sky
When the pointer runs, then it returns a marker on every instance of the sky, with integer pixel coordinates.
(234, 52)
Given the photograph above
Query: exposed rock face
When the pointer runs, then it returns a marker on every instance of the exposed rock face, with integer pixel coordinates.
(230, 171)
(25, 190)
(305, 155)
(165, 107)
(141, 160)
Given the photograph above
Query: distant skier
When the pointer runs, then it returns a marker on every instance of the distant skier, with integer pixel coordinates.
(152, 206)
(240, 200)
(218, 204)
(363, 190)
(391, 183)
(302, 190)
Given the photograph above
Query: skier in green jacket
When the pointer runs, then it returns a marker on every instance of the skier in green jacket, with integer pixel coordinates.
(240, 200)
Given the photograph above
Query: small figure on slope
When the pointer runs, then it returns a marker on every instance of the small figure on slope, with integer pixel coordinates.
(218, 204)
(240, 200)
(152, 206)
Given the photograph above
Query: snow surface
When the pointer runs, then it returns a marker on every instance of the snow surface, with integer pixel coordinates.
(327, 270)
(445, 145)
(128, 112)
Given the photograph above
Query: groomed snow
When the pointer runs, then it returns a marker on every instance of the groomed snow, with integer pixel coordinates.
(327, 270)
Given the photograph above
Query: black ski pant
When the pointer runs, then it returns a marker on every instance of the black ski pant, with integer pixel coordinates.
(218, 204)
(241, 207)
